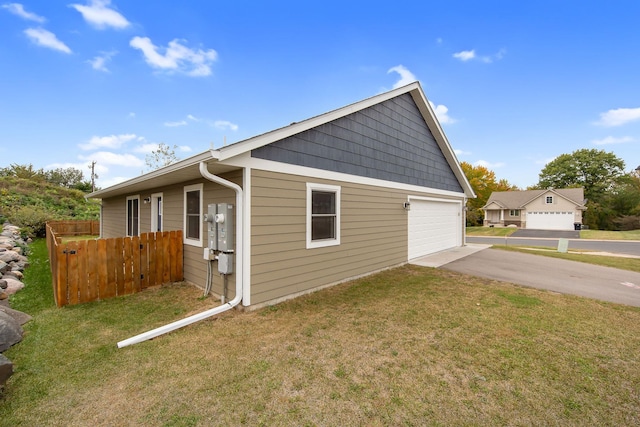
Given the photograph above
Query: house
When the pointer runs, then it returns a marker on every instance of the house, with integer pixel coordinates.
(344, 194)
(550, 209)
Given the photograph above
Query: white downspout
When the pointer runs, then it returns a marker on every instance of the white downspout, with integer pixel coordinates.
(238, 256)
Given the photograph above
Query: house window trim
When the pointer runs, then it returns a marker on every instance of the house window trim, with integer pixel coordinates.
(155, 213)
(126, 225)
(313, 244)
(548, 200)
(514, 212)
(185, 239)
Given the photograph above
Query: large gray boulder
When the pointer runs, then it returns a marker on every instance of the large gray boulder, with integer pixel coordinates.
(6, 369)
(10, 331)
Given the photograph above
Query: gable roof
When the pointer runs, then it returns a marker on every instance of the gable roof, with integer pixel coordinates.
(216, 160)
(520, 199)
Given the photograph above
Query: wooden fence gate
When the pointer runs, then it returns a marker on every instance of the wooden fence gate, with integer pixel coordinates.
(95, 269)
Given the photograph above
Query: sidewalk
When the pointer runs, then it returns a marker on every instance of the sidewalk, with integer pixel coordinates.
(445, 257)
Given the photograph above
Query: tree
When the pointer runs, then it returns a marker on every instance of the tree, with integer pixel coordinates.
(595, 170)
(66, 177)
(483, 181)
(164, 155)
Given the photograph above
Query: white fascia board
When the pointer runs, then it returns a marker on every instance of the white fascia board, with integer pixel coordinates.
(295, 128)
(191, 161)
(433, 124)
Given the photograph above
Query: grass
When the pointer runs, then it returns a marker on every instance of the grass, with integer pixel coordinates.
(409, 346)
(631, 264)
(584, 234)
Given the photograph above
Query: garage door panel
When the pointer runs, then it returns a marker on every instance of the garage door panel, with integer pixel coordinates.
(550, 220)
(434, 226)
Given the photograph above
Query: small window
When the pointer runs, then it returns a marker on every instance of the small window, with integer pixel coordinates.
(193, 215)
(133, 215)
(549, 200)
(323, 215)
(156, 212)
(514, 212)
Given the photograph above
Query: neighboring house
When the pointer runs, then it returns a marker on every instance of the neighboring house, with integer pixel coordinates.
(551, 209)
(350, 192)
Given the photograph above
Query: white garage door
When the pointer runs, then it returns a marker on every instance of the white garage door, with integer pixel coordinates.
(550, 220)
(434, 226)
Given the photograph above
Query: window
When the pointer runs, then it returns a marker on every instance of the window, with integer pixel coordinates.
(549, 200)
(514, 212)
(156, 212)
(133, 215)
(323, 215)
(193, 215)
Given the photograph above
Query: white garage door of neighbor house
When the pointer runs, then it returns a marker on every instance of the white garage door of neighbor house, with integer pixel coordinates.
(550, 220)
(434, 226)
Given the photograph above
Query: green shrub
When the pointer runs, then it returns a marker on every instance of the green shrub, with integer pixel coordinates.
(32, 220)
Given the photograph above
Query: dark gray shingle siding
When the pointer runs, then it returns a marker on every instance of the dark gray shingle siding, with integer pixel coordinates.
(388, 141)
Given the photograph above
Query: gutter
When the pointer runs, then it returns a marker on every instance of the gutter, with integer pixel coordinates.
(204, 171)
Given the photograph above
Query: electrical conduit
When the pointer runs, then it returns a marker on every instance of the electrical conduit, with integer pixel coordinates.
(204, 171)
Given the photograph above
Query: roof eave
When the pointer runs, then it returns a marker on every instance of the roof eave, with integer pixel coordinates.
(174, 167)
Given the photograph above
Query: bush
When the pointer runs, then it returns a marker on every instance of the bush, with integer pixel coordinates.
(32, 220)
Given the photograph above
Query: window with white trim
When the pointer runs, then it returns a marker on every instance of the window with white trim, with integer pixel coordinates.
(323, 215)
(549, 200)
(133, 215)
(514, 212)
(193, 215)
(156, 212)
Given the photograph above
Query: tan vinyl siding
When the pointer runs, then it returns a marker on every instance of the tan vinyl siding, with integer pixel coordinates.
(373, 235)
(195, 266)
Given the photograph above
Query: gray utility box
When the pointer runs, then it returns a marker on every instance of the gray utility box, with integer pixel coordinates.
(225, 220)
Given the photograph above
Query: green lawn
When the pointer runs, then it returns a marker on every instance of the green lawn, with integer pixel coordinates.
(409, 346)
(584, 234)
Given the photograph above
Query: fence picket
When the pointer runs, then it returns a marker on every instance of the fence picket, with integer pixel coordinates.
(90, 270)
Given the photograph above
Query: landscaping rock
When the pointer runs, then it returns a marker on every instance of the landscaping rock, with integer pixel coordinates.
(13, 285)
(10, 331)
(18, 316)
(4, 267)
(6, 369)
(9, 256)
(3, 284)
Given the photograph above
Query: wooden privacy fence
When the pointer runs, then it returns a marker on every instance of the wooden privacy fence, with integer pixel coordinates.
(96, 269)
(76, 228)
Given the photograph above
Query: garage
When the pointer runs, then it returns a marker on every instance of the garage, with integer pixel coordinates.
(434, 226)
(550, 220)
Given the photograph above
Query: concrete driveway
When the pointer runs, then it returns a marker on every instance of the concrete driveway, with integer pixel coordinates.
(568, 277)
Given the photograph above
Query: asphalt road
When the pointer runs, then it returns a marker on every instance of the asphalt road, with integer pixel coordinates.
(616, 246)
(568, 277)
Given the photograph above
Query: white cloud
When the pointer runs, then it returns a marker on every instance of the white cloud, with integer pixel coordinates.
(488, 165)
(146, 148)
(98, 15)
(45, 38)
(175, 124)
(108, 158)
(190, 117)
(111, 141)
(465, 55)
(99, 63)
(442, 113)
(176, 57)
(612, 140)
(618, 117)
(18, 9)
(461, 152)
(468, 55)
(131, 115)
(185, 148)
(225, 125)
(406, 76)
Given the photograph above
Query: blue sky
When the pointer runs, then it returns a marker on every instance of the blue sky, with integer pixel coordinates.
(514, 83)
